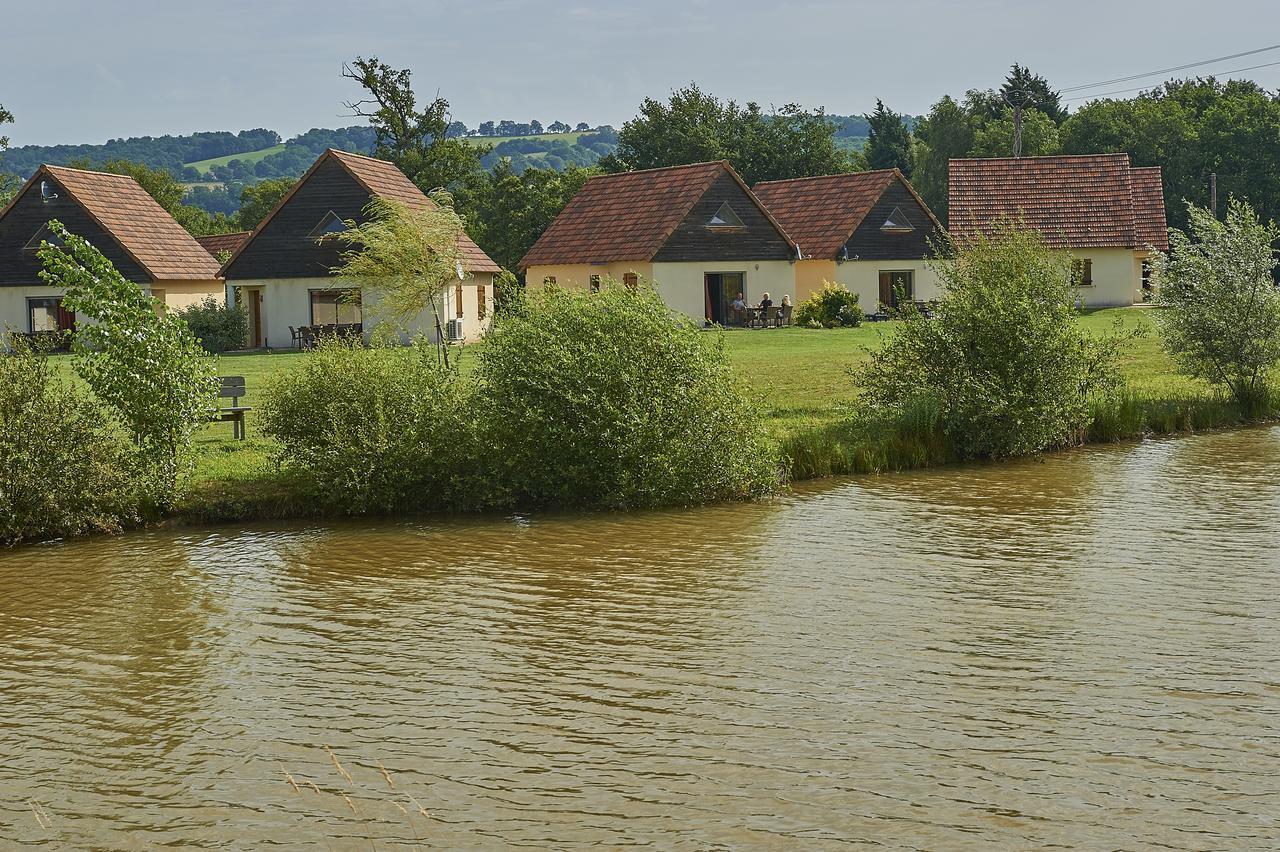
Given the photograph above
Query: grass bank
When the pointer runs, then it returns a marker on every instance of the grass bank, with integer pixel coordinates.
(808, 385)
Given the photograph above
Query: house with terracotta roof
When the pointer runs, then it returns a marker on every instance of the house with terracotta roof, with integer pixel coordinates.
(1109, 215)
(280, 272)
(695, 232)
(217, 244)
(867, 231)
(117, 216)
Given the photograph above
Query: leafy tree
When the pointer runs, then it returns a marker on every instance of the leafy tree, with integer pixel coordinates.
(945, 134)
(1191, 128)
(695, 127)
(994, 137)
(9, 184)
(405, 258)
(558, 127)
(259, 199)
(1003, 368)
(416, 140)
(535, 127)
(582, 127)
(888, 141)
(217, 325)
(1032, 91)
(486, 128)
(143, 363)
(1221, 320)
(510, 210)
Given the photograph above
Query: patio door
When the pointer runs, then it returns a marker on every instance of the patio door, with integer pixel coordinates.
(251, 301)
(720, 290)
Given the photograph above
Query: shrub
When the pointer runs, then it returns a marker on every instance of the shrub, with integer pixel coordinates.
(608, 400)
(1004, 360)
(1221, 320)
(217, 326)
(830, 307)
(384, 429)
(145, 365)
(66, 468)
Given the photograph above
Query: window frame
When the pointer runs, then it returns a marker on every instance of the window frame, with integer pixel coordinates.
(337, 294)
(1082, 272)
(594, 283)
(55, 302)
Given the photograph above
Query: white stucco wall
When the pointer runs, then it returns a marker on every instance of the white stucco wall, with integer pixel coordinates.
(682, 285)
(14, 313)
(287, 302)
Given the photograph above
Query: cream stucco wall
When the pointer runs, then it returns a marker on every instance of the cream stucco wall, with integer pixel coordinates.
(1117, 277)
(863, 277)
(579, 274)
(683, 287)
(287, 302)
(15, 314)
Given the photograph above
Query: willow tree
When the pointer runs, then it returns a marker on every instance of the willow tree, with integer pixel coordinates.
(406, 258)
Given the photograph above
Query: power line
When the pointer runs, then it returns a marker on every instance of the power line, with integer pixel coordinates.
(1168, 70)
(1144, 88)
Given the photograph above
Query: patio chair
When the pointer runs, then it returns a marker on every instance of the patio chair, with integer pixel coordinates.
(295, 337)
(784, 315)
(770, 317)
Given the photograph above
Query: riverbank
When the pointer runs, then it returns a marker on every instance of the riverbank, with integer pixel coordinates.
(807, 382)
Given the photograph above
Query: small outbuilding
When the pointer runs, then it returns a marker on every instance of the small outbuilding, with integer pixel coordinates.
(695, 232)
(117, 216)
(1108, 214)
(280, 273)
(870, 232)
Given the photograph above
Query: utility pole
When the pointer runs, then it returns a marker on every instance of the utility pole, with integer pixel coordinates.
(1213, 193)
(1017, 105)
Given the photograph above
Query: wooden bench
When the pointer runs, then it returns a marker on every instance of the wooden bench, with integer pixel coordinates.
(232, 387)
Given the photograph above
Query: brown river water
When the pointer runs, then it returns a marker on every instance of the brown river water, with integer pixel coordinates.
(1080, 651)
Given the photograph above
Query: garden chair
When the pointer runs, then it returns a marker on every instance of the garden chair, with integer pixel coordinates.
(233, 388)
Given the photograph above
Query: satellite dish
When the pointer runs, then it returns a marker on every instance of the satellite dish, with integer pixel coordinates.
(46, 193)
(458, 269)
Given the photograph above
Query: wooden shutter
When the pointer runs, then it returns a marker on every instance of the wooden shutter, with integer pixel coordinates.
(481, 308)
(886, 289)
(457, 298)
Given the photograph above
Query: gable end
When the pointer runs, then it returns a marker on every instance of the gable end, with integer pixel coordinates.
(755, 239)
(876, 239)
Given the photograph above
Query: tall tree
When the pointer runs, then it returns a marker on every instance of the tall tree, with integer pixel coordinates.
(945, 134)
(694, 126)
(888, 140)
(994, 137)
(510, 210)
(258, 199)
(415, 139)
(1022, 88)
(8, 183)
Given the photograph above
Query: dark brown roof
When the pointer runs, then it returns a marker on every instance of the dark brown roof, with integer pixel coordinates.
(1076, 201)
(821, 213)
(216, 243)
(628, 216)
(384, 180)
(1150, 226)
(136, 221)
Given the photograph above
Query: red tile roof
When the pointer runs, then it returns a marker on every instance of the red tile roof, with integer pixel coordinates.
(143, 228)
(1076, 201)
(216, 243)
(821, 213)
(627, 216)
(384, 180)
(1150, 226)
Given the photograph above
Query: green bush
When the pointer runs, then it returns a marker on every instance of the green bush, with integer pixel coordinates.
(218, 327)
(1004, 361)
(608, 400)
(376, 430)
(830, 307)
(66, 468)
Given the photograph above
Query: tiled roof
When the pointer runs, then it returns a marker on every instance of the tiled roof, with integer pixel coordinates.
(1149, 224)
(625, 216)
(143, 228)
(821, 213)
(385, 180)
(216, 243)
(1074, 201)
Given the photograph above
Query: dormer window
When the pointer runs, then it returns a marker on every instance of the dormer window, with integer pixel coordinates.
(725, 219)
(44, 235)
(330, 225)
(897, 223)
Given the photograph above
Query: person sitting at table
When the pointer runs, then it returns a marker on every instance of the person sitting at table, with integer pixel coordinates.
(786, 300)
(739, 309)
(765, 302)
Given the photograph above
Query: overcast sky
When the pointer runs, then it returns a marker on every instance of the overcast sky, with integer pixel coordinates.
(88, 70)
